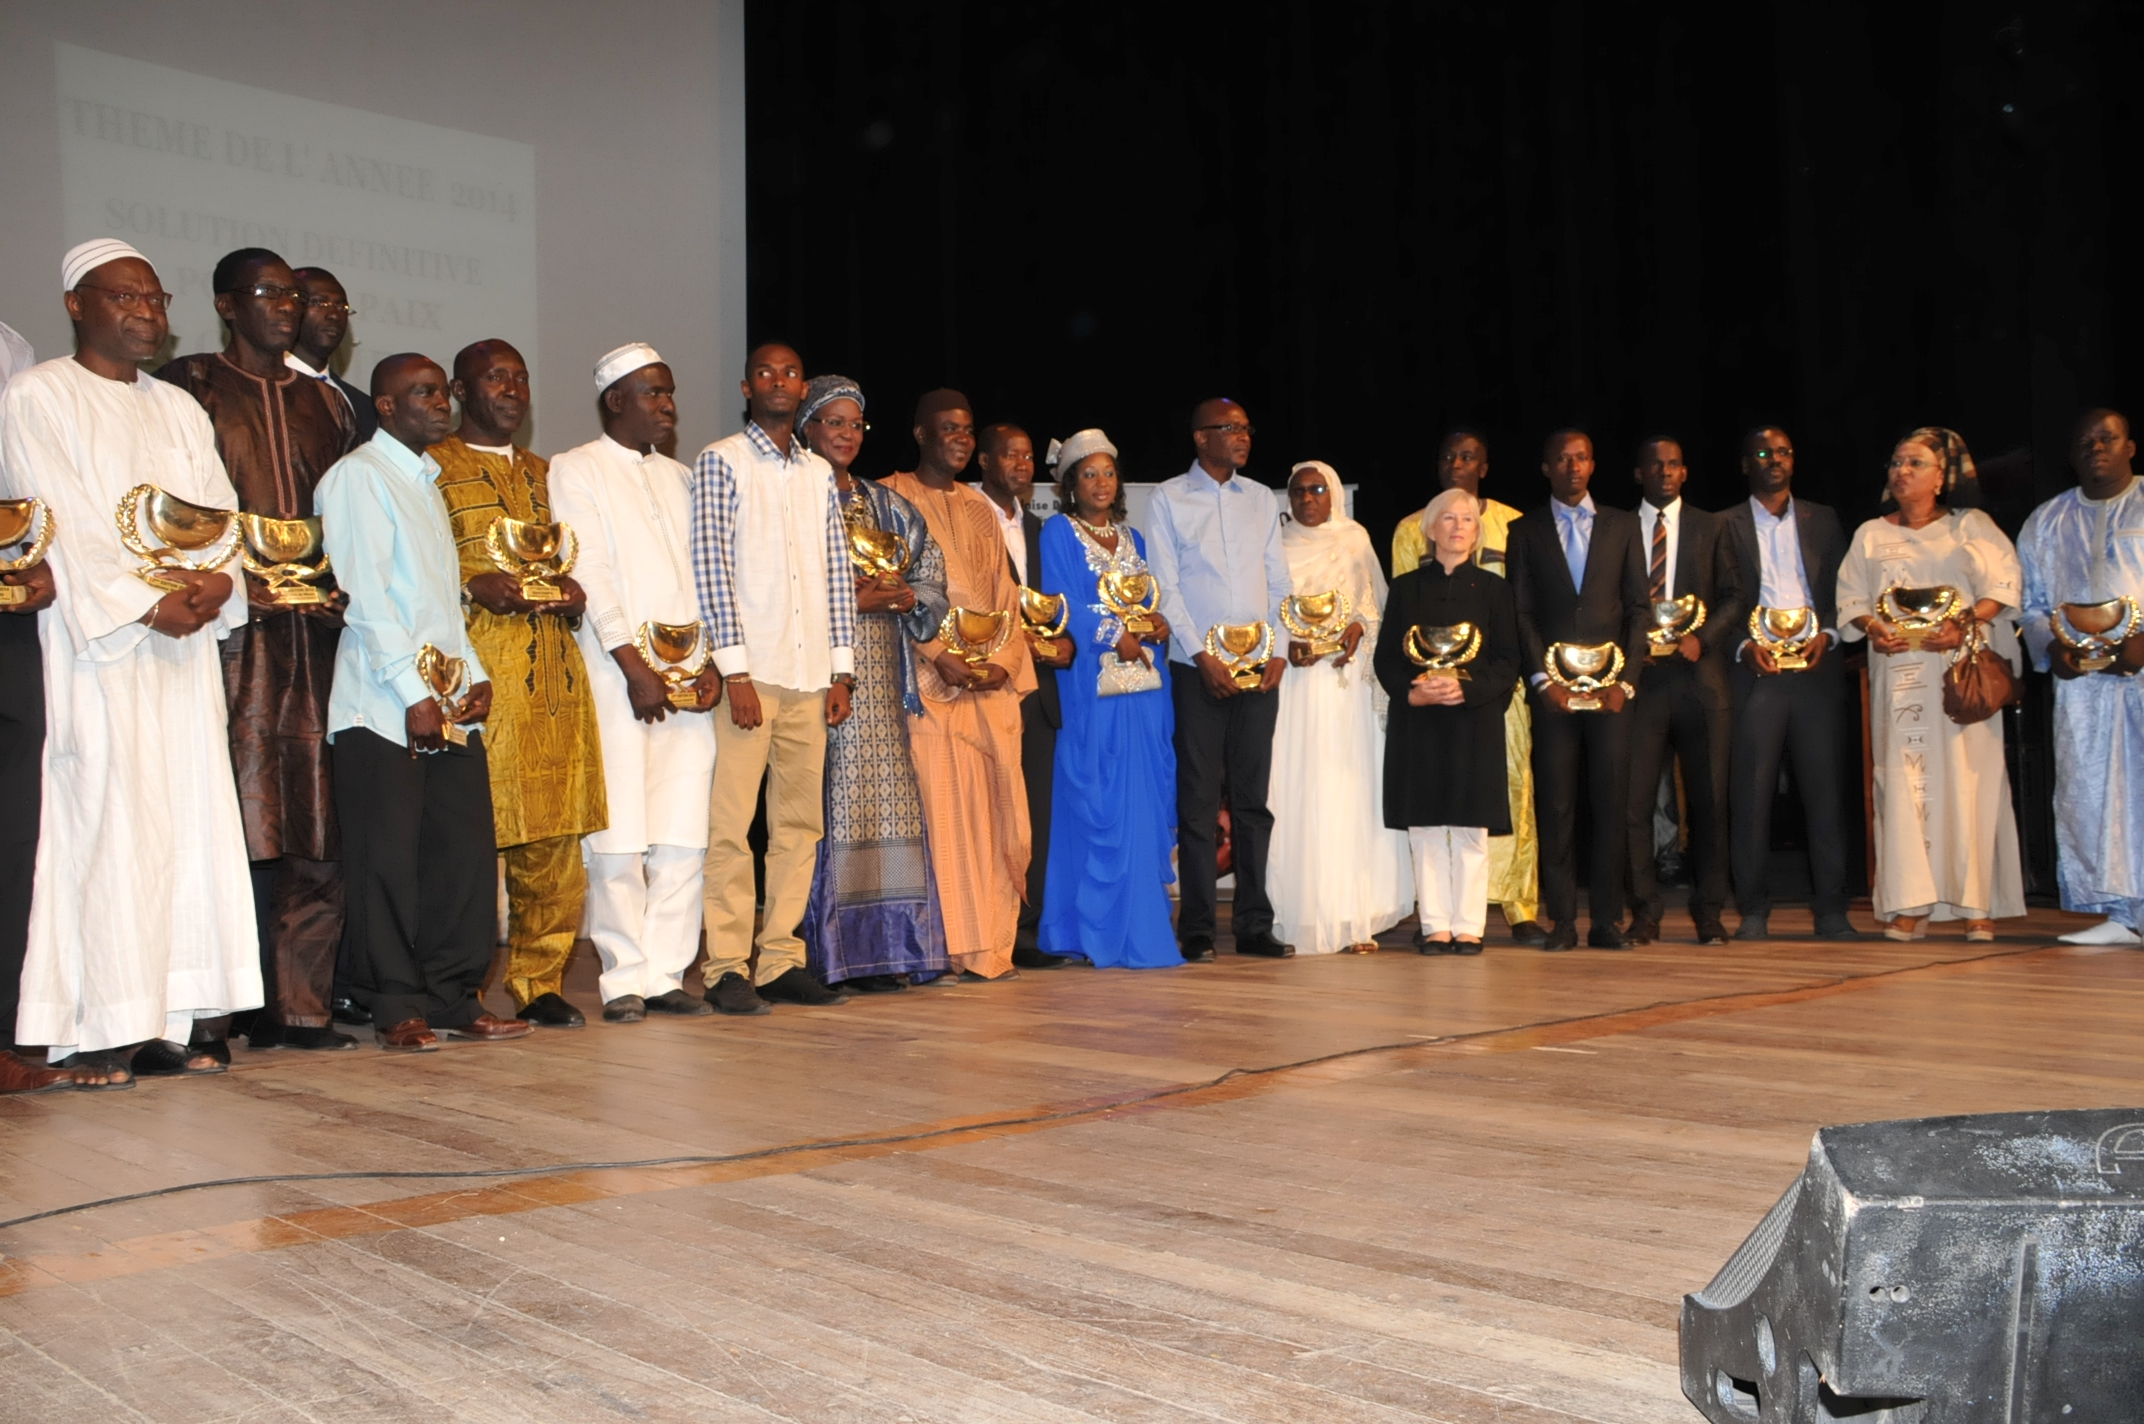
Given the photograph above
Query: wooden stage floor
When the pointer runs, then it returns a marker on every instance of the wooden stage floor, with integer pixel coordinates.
(1480, 1195)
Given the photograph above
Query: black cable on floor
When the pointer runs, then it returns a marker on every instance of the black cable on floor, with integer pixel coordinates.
(1028, 1120)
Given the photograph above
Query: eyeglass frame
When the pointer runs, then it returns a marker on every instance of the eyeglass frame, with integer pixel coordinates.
(1233, 427)
(127, 301)
(861, 427)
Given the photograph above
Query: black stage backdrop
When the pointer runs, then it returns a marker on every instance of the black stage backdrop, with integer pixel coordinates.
(1369, 222)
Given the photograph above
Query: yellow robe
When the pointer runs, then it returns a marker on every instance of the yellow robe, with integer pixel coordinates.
(1514, 860)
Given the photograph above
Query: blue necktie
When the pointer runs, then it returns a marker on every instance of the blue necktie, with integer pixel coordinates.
(1577, 534)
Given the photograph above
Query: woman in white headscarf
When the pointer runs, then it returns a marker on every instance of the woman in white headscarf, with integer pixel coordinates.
(1337, 875)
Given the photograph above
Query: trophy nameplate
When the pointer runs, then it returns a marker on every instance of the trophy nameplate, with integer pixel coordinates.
(279, 552)
(1443, 651)
(18, 518)
(1044, 615)
(974, 634)
(2094, 632)
(1585, 671)
(1319, 619)
(1244, 648)
(1673, 619)
(446, 676)
(1131, 597)
(194, 538)
(1785, 634)
(678, 653)
(537, 555)
(1915, 613)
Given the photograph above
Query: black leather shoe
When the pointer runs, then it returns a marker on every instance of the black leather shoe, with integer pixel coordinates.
(684, 1005)
(1754, 927)
(551, 1011)
(733, 994)
(1559, 939)
(629, 1008)
(1466, 946)
(1836, 927)
(348, 1010)
(873, 984)
(312, 1040)
(1606, 937)
(1529, 932)
(1264, 946)
(265, 1033)
(1711, 931)
(797, 986)
(1038, 959)
(1423, 944)
(1643, 930)
(1198, 949)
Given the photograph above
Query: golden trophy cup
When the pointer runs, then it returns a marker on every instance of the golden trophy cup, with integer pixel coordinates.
(1246, 648)
(1044, 615)
(1673, 620)
(1918, 612)
(679, 654)
(1785, 634)
(975, 633)
(1131, 597)
(874, 551)
(535, 554)
(1585, 670)
(2095, 632)
(194, 537)
(276, 552)
(1318, 619)
(1443, 651)
(446, 676)
(18, 517)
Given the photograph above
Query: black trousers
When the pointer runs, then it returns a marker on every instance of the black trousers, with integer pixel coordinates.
(1222, 743)
(1601, 740)
(22, 746)
(1038, 766)
(420, 873)
(1797, 714)
(1672, 716)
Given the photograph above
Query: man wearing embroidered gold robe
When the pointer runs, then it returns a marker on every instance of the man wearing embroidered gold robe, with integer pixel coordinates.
(278, 434)
(1514, 860)
(546, 764)
(967, 742)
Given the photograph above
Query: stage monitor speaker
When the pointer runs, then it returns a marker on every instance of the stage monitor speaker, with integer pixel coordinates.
(1950, 1270)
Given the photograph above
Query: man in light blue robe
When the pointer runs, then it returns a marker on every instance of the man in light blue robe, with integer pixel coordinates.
(2086, 546)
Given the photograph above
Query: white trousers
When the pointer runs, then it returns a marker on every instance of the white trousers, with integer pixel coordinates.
(1451, 878)
(644, 917)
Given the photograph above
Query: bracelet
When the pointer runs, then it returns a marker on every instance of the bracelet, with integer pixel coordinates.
(738, 677)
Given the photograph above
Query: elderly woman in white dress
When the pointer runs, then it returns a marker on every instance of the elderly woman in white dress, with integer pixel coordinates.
(1946, 839)
(1336, 873)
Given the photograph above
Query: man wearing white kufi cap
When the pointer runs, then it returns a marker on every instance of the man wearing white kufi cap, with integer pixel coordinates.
(631, 505)
(141, 918)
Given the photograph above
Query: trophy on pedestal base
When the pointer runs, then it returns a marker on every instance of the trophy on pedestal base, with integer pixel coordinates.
(1318, 619)
(2095, 632)
(1585, 671)
(18, 519)
(1443, 652)
(1918, 612)
(1785, 634)
(1245, 648)
(194, 538)
(535, 554)
(279, 553)
(1673, 619)
(974, 634)
(447, 677)
(1044, 615)
(678, 653)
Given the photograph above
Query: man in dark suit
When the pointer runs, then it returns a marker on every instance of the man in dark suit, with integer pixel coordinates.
(323, 321)
(1005, 459)
(1578, 577)
(1683, 703)
(1786, 553)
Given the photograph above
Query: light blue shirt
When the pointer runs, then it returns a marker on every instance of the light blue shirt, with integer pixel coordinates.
(1574, 530)
(384, 526)
(1215, 551)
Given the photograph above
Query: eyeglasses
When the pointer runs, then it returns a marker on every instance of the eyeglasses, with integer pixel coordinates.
(1233, 428)
(324, 304)
(271, 292)
(840, 422)
(1779, 452)
(127, 301)
(1311, 489)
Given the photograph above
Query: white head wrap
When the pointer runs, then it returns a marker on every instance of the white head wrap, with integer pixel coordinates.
(1336, 554)
(86, 257)
(617, 365)
(1064, 454)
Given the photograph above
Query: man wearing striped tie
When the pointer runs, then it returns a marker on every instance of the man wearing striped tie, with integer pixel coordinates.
(1683, 703)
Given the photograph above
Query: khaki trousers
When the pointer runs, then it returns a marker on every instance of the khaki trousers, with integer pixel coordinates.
(789, 747)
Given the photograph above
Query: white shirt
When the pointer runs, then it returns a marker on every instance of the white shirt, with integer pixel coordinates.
(291, 360)
(15, 354)
(1648, 516)
(1010, 531)
(632, 513)
(1782, 582)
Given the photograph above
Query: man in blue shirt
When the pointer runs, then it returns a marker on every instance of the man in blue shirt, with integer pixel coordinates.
(415, 801)
(1213, 542)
